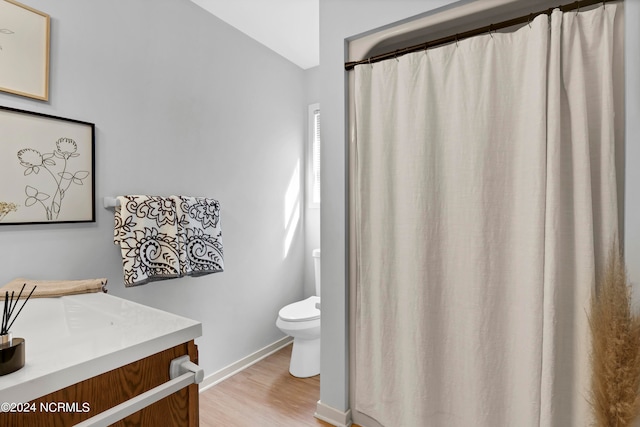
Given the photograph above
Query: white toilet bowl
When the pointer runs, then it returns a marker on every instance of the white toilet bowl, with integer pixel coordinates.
(301, 320)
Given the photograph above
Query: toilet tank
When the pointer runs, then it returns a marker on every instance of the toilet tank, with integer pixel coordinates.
(316, 269)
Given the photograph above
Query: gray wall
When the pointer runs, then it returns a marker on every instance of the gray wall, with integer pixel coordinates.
(183, 104)
(632, 136)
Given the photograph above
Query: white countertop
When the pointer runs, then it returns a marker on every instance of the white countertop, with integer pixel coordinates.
(70, 339)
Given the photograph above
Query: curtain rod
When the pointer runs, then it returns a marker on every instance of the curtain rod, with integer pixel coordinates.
(482, 30)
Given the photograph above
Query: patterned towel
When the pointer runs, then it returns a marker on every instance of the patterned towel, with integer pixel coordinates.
(199, 234)
(147, 232)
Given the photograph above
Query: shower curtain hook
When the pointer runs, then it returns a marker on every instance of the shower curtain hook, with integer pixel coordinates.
(456, 40)
(530, 19)
(370, 64)
(491, 30)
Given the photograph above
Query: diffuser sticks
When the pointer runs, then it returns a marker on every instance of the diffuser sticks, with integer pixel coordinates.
(9, 307)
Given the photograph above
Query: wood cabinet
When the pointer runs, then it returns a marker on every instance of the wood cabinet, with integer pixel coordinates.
(85, 399)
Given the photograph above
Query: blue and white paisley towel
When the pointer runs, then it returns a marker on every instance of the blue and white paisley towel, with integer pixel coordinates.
(147, 232)
(199, 235)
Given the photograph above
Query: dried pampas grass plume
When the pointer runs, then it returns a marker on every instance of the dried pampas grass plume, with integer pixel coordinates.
(615, 354)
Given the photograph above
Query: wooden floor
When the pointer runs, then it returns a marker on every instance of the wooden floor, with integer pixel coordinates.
(264, 395)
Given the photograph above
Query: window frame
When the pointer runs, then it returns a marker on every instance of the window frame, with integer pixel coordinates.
(313, 131)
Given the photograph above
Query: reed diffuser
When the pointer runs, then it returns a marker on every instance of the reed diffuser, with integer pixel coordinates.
(11, 349)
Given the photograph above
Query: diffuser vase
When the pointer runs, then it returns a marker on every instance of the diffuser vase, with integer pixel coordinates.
(11, 353)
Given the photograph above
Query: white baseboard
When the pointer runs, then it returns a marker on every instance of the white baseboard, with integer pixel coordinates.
(333, 416)
(244, 363)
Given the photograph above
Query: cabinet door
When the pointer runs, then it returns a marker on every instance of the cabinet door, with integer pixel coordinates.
(83, 400)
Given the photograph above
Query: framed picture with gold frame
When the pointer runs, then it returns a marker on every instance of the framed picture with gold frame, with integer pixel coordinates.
(24, 50)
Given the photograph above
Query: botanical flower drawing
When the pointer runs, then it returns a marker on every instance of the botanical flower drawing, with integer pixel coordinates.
(49, 193)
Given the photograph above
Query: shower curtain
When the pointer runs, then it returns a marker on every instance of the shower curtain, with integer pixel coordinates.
(486, 202)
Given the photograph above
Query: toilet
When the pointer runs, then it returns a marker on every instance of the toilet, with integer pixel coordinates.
(301, 320)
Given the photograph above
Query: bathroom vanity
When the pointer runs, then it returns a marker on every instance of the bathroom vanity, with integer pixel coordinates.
(88, 353)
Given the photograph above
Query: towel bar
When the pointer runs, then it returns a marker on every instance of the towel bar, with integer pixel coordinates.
(182, 372)
(111, 202)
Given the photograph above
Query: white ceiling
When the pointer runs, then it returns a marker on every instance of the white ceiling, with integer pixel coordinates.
(289, 27)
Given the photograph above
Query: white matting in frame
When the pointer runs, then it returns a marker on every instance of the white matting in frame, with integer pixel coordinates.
(46, 169)
(24, 50)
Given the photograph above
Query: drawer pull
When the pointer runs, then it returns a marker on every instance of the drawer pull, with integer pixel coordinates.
(182, 372)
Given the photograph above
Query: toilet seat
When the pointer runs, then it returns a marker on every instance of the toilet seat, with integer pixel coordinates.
(301, 311)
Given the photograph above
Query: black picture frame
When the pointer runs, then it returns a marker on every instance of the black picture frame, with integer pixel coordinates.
(47, 166)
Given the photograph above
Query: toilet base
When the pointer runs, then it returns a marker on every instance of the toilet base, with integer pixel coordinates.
(305, 358)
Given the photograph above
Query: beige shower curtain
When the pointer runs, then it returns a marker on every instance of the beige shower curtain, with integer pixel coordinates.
(486, 201)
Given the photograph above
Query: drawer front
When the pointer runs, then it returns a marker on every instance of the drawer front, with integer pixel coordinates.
(85, 399)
